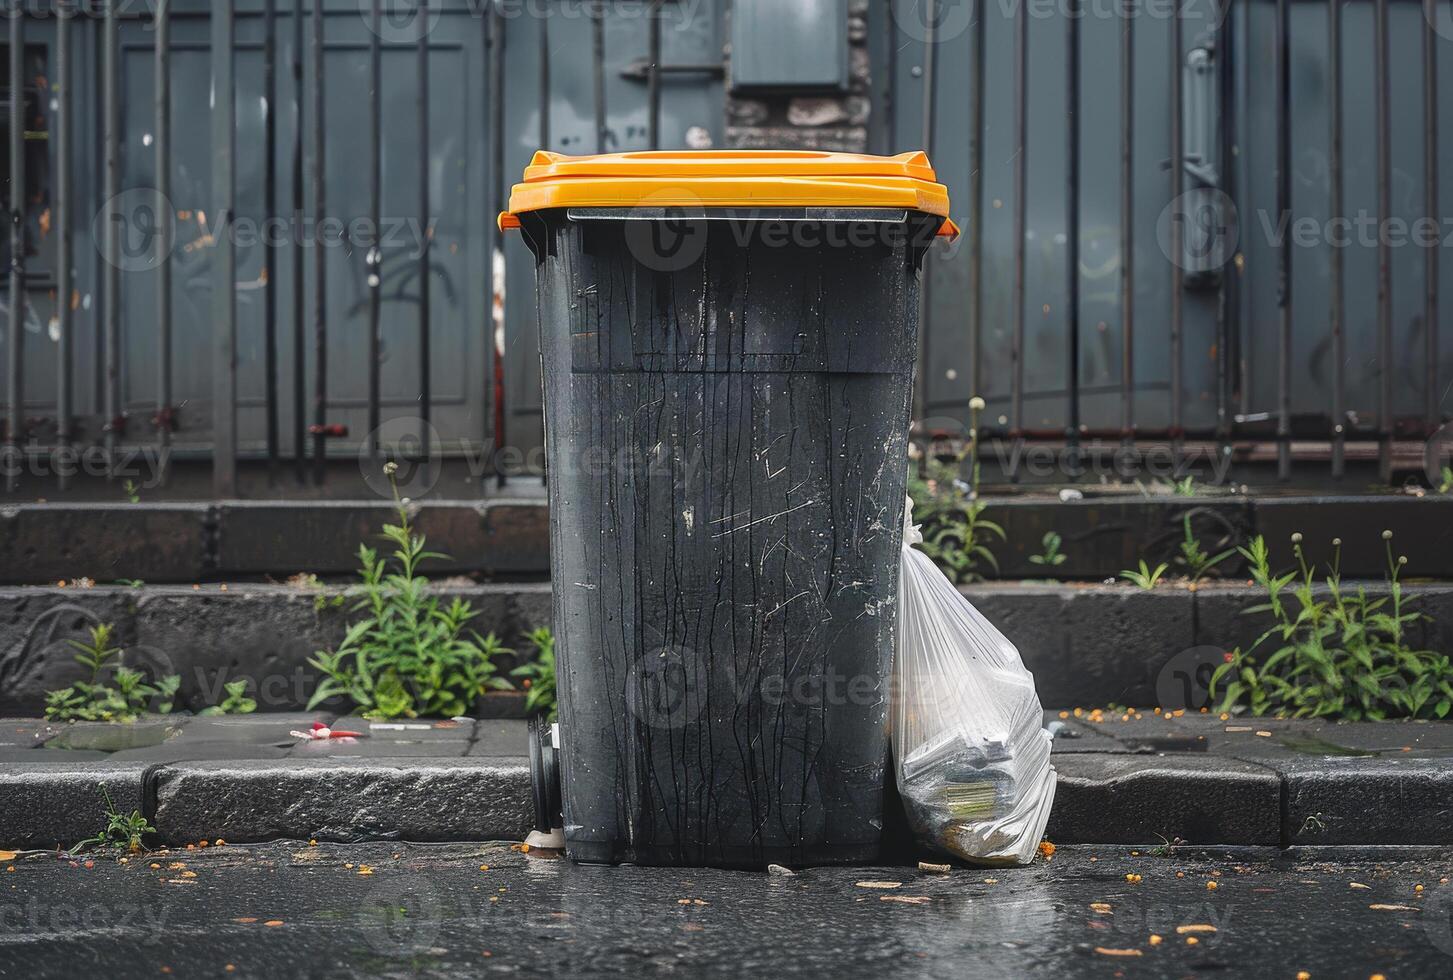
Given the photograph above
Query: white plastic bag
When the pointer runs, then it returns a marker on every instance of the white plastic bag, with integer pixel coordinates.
(971, 752)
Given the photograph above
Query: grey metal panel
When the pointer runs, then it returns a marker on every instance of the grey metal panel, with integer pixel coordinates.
(950, 364)
(1311, 368)
(798, 45)
(691, 34)
(458, 159)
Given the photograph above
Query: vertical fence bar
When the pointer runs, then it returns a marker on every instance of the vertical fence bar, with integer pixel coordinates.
(1226, 173)
(224, 272)
(597, 61)
(1021, 138)
(653, 80)
(1072, 230)
(111, 236)
(65, 319)
(1432, 418)
(926, 140)
(15, 430)
(496, 350)
(544, 67)
(320, 255)
(1284, 250)
(300, 413)
(1336, 301)
(162, 86)
(426, 396)
(373, 258)
(976, 206)
(1383, 88)
(269, 248)
(1177, 170)
(1127, 224)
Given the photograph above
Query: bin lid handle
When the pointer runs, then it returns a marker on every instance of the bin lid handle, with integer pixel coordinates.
(948, 229)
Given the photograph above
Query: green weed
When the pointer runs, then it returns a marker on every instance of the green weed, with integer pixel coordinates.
(1339, 654)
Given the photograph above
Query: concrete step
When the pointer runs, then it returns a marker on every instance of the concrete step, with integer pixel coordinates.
(201, 542)
(244, 779)
(1086, 644)
(1102, 533)
(215, 633)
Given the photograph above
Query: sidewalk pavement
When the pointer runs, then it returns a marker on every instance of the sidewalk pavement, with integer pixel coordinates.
(1141, 780)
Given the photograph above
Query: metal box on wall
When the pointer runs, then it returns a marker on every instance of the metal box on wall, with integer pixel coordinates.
(785, 46)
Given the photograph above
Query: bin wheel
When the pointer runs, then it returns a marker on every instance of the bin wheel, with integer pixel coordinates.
(545, 775)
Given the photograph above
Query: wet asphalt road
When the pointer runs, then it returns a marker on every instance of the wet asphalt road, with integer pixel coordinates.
(282, 910)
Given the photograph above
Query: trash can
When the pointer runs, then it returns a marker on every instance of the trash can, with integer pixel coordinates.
(728, 343)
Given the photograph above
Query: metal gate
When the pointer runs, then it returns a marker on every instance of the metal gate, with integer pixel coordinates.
(1152, 193)
(1130, 273)
(345, 160)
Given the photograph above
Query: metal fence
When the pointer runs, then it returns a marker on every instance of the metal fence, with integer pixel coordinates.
(1132, 176)
(246, 299)
(1210, 221)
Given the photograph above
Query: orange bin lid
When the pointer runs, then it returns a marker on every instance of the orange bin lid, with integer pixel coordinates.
(729, 178)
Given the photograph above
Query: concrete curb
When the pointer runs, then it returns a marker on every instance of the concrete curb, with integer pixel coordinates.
(1107, 795)
(346, 800)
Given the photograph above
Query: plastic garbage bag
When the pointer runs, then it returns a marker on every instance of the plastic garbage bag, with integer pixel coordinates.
(971, 753)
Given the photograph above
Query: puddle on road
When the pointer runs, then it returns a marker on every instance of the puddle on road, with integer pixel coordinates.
(1312, 745)
(113, 738)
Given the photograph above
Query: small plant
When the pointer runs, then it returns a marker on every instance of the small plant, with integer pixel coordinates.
(410, 656)
(1184, 487)
(956, 535)
(93, 700)
(1145, 577)
(539, 675)
(1445, 482)
(1195, 561)
(1167, 846)
(122, 831)
(309, 582)
(133, 492)
(1051, 556)
(1340, 654)
(235, 703)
